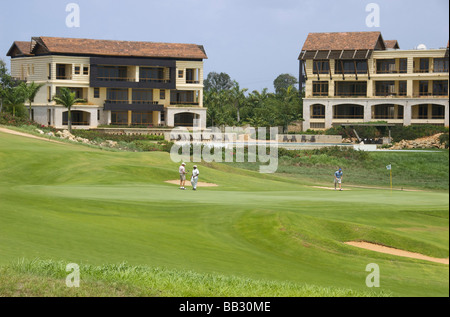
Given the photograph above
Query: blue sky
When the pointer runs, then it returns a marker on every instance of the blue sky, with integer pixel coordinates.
(252, 40)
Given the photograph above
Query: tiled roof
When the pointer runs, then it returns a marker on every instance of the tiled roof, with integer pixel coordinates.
(341, 41)
(23, 47)
(391, 44)
(58, 45)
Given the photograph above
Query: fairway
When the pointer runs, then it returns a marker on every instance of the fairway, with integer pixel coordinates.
(73, 203)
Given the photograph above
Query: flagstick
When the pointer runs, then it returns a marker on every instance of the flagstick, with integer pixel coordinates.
(391, 179)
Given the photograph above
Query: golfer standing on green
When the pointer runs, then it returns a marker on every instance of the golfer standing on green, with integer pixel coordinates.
(182, 171)
(338, 179)
(194, 178)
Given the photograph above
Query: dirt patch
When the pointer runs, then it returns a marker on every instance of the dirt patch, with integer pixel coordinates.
(27, 135)
(188, 183)
(397, 252)
(330, 188)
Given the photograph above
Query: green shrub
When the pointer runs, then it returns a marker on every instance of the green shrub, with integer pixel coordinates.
(416, 131)
(102, 136)
(444, 139)
(16, 121)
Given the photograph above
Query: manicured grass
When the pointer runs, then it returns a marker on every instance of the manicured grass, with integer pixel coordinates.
(426, 170)
(71, 203)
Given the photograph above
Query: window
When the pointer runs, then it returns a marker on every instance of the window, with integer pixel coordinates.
(85, 70)
(423, 111)
(424, 65)
(143, 96)
(180, 74)
(190, 76)
(318, 112)
(321, 67)
(77, 70)
(118, 96)
(402, 88)
(386, 66)
(440, 88)
(151, 74)
(385, 88)
(355, 88)
(351, 67)
(162, 94)
(119, 117)
(96, 93)
(403, 65)
(441, 65)
(320, 88)
(49, 71)
(112, 73)
(423, 88)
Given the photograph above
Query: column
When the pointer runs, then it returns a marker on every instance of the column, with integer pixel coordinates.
(156, 118)
(446, 115)
(367, 112)
(328, 115)
(407, 114)
(306, 116)
(130, 117)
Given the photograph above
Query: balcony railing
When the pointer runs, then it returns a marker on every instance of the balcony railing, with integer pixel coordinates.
(430, 95)
(155, 80)
(64, 77)
(192, 81)
(125, 79)
(139, 102)
(348, 116)
(192, 103)
(422, 70)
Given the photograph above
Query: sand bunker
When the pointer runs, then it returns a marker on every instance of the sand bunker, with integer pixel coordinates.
(387, 250)
(188, 183)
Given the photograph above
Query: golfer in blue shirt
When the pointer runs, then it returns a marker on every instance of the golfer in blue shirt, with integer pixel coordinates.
(338, 179)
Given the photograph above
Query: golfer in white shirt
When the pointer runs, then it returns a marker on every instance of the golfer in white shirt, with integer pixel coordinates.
(182, 171)
(194, 178)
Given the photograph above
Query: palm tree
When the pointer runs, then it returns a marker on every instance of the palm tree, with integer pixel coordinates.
(67, 99)
(31, 91)
(237, 96)
(14, 97)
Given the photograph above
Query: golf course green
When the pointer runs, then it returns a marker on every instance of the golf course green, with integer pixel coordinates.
(69, 203)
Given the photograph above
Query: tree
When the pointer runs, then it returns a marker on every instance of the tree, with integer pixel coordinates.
(237, 97)
(289, 106)
(217, 82)
(30, 91)
(14, 97)
(284, 81)
(67, 99)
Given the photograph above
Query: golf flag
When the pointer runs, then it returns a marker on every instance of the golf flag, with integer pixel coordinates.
(389, 168)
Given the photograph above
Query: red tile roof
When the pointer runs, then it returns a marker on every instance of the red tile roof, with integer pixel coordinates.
(22, 47)
(391, 44)
(58, 45)
(342, 41)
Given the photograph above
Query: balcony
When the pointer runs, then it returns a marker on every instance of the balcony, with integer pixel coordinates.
(134, 105)
(132, 73)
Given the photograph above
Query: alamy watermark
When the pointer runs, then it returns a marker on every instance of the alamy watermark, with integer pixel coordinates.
(73, 279)
(230, 144)
(73, 18)
(373, 279)
(373, 18)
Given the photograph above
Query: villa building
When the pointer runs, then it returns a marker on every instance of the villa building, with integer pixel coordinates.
(123, 83)
(357, 77)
